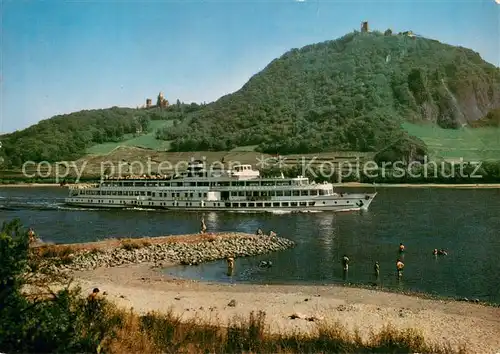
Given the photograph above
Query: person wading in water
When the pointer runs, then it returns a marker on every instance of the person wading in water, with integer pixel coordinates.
(399, 266)
(230, 266)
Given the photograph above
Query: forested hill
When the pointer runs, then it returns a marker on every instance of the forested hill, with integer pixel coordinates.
(348, 94)
(66, 137)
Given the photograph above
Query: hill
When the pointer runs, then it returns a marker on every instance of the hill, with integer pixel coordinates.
(352, 93)
(71, 136)
(394, 96)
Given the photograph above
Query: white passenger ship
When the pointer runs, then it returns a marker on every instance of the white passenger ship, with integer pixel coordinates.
(239, 189)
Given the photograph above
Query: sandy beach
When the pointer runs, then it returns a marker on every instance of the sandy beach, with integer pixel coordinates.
(144, 289)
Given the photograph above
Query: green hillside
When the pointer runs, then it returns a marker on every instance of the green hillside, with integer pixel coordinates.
(147, 140)
(470, 144)
(352, 93)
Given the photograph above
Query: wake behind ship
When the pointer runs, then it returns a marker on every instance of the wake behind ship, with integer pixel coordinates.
(238, 189)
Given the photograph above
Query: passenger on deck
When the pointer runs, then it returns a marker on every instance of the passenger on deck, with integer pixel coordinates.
(401, 247)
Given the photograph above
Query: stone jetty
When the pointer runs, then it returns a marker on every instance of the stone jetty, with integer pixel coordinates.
(189, 250)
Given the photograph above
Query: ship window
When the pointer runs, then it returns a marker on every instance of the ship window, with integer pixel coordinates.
(248, 194)
(259, 205)
(322, 192)
(303, 203)
(251, 204)
(120, 192)
(243, 205)
(185, 195)
(267, 204)
(279, 193)
(288, 193)
(234, 194)
(143, 193)
(264, 194)
(294, 204)
(199, 195)
(276, 204)
(313, 192)
(160, 194)
(149, 194)
(285, 204)
(241, 194)
(255, 194)
(136, 193)
(139, 184)
(224, 184)
(114, 192)
(303, 193)
(311, 203)
(177, 195)
(253, 184)
(204, 195)
(296, 193)
(239, 184)
(153, 194)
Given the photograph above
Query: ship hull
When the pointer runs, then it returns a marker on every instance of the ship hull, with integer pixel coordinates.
(353, 202)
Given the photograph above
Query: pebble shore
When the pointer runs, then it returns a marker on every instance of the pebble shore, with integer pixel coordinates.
(217, 246)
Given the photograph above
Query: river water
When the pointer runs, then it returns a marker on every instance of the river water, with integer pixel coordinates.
(465, 222)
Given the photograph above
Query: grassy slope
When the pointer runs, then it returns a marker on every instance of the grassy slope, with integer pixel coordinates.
(147, 141)
(470, 144)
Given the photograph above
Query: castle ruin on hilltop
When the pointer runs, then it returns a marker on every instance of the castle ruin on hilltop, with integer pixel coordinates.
(161, 102)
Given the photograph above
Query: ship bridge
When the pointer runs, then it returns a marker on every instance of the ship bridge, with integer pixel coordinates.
(244, 172)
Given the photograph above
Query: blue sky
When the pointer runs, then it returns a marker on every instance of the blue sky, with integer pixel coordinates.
(59, 57)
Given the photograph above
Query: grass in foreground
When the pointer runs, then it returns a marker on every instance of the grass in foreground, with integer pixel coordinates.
(166, 333)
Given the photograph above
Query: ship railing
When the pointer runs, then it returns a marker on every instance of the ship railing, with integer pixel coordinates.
(284, 187)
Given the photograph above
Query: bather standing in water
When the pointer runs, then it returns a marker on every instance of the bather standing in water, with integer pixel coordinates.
(399, 266)
(376, 269)
(345, 263)
(230, 266)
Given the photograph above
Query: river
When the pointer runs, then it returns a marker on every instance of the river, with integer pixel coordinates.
(466, 222)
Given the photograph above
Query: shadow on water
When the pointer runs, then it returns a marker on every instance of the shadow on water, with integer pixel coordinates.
(465, 222)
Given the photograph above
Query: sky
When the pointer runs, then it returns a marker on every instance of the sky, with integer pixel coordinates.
(58, 57)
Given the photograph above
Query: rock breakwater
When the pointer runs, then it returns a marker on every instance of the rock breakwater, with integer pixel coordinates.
(218, 246)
